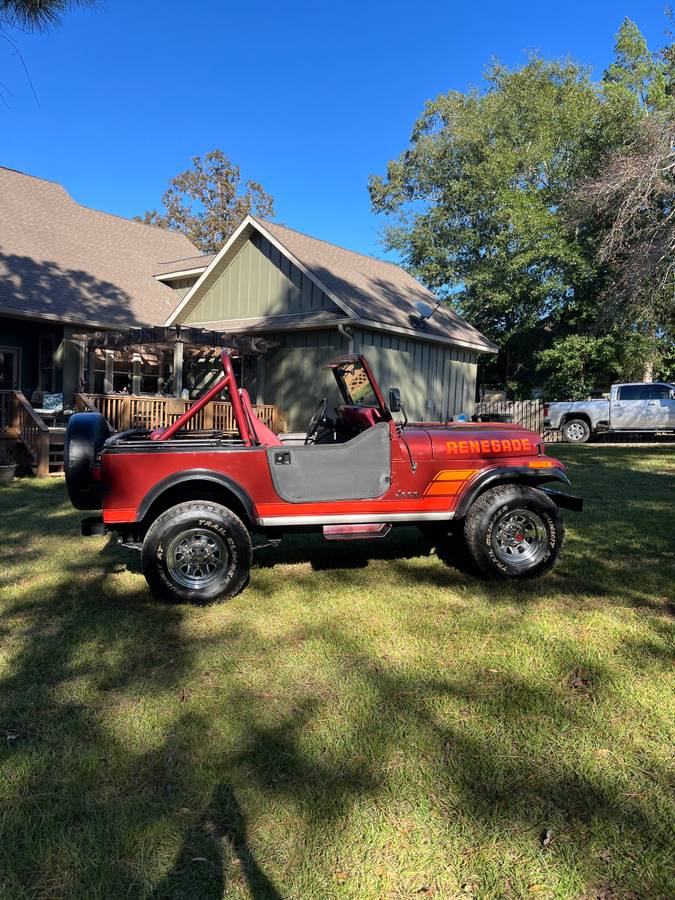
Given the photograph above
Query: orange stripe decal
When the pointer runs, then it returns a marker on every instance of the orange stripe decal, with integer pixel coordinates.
(454, 474)
(443, 488)
(448, 482)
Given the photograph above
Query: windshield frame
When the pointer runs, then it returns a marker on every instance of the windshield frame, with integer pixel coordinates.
(338, 365)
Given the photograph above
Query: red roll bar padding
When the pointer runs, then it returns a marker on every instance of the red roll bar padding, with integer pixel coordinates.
(227, 381)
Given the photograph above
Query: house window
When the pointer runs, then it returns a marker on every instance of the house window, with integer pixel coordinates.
(46, 351)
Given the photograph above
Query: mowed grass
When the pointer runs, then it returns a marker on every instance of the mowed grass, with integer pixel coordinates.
(362, 722)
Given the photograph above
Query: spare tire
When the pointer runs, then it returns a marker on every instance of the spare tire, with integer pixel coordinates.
(85, 436)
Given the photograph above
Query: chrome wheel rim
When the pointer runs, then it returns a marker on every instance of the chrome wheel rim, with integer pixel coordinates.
(196, 558)
(519, 538)
(575, 431)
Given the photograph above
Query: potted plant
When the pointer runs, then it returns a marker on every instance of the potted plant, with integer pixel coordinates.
(7, 467)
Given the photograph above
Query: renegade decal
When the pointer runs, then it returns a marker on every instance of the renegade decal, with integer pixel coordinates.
(481, 448)
(448, 482)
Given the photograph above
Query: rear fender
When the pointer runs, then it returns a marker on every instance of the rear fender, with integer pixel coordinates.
(507, 475)
(188, 484)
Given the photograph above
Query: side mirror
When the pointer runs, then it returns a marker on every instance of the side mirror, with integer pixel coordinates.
(394, 400)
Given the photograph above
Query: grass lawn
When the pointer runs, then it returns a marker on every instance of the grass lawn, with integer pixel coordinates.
(361, 722)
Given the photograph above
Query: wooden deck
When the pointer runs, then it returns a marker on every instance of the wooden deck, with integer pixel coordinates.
(40, 447)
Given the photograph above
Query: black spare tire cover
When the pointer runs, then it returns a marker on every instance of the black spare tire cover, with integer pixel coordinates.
(85, 436)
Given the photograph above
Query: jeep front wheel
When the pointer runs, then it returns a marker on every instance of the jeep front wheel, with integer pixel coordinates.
(197, 553)
(576, 431)
(514, 531)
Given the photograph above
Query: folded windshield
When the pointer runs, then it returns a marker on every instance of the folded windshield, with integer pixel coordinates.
(355, 385)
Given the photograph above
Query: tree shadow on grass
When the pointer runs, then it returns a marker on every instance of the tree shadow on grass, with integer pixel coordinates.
(106, 764)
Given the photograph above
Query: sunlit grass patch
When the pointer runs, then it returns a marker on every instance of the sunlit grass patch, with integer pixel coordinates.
(362, 721)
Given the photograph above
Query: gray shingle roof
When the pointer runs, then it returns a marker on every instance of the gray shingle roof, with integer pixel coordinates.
(63, 260)
(290, 322)
(184, 265)
(374, 290)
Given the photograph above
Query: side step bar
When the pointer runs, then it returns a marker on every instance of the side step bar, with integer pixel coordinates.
(356, 532)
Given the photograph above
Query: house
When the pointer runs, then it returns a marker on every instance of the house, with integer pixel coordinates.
(309, 301)
(66, 269)
(92, 304)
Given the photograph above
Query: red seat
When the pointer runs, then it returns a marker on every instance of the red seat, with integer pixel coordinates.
(264, 434)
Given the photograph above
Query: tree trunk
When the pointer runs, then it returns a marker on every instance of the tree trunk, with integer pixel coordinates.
(648, 371)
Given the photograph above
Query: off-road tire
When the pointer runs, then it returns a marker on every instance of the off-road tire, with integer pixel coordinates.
(85, 437)
(492, 523)
(208, 529)
(576, 431)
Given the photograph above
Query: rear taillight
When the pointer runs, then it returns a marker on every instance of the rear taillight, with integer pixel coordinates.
(545, 409)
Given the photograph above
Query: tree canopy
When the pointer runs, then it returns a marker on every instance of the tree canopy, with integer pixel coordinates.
(490, 206)
(37, 15)
(208, 201)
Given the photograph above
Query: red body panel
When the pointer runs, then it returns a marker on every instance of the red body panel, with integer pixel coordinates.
(432, 465)
(447, 460)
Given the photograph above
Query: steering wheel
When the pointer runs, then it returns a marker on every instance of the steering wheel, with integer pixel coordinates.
(316, 418)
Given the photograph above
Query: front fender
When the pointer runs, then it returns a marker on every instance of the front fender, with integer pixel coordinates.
(506, 475)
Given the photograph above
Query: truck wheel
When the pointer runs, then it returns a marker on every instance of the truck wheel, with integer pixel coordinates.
(514, 531)
(576, 431)
(197, 552)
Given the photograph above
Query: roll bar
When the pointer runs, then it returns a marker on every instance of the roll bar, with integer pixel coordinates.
(227, 381)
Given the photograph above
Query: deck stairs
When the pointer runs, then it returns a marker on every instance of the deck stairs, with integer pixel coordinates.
(35, 446)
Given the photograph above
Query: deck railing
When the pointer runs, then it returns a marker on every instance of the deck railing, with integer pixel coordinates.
(18, 418)
(129, 411)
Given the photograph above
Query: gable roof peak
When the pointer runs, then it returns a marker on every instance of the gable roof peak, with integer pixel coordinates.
(269, 223)
(371, 292)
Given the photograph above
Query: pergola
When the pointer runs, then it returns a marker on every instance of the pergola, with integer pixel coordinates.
(165, 351)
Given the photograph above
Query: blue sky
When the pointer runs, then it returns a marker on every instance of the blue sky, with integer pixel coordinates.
(309, 98)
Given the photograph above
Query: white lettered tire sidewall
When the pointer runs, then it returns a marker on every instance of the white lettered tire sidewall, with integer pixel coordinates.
(207, 517)
(489, 509)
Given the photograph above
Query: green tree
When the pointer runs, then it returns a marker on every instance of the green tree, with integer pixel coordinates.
(208, 201)
(475, 201)
(477, 205)
(628, 204)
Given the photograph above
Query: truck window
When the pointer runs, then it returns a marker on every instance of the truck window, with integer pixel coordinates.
(635, 392)
(660, 392)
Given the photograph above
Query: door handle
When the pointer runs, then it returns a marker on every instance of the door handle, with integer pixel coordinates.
(282, 458)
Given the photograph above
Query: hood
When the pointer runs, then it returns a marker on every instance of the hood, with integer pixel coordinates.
(468, 440)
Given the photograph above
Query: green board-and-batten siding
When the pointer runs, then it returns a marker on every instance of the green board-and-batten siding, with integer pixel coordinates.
(294, 377)
(259, 282)
(436, 381)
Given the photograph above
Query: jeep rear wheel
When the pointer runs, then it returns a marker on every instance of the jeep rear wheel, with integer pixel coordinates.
(197, 552)
(576, 431)
(514, 531)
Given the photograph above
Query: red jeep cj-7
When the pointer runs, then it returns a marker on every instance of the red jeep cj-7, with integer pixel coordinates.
(195, 502)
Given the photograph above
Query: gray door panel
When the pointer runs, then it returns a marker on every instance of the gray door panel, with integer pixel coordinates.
(357, 470)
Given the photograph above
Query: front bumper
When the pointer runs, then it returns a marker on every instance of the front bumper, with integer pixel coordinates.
(567, 501)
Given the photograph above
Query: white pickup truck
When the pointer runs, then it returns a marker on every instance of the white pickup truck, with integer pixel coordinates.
(631, 407)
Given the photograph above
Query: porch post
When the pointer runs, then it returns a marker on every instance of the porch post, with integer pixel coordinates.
(108, 378)
(91, 368)
(260, 378)
(136, 374)
(178, 368)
